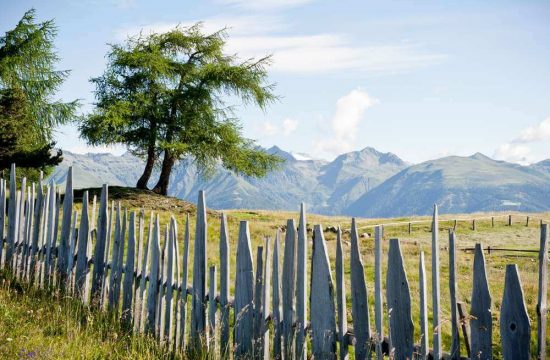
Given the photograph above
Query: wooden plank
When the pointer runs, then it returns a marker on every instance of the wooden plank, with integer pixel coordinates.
(128, 290)
(184, 276)
(515, 328)
(301, 289)
(105, 288)
(14, 247)
(139, 262)
(169, 306)
(63, 250)
(56, 231)
(153, 290)
(224, 287)
(399, 305)
(43, 238)
(50, 241)
(378, 302)
(455, 343)
(71, 254)
(275, 300)
(424, 344)
(244, 296)
(99, 251)
(542, 311)
(87, 283)
(288, 285)
(82, 256)
(12, 219)
(258, 289)
(323, 320)
(341, 298)
(120, 261)
(359, 298)
(198, 312)
(142, 281)
(174, 334)
(266, 290)
(509, 220)
(93, 218)
(480, 313)
(161, 305)
(212, 307)
(3, 191)
(436, 296)
(114, 262)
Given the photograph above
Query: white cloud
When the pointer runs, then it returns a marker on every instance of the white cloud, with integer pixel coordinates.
(289, 125)
(516, 153)
(254, 36)
(265, 4)
(538, 132)
(268, 128)
(345, 121)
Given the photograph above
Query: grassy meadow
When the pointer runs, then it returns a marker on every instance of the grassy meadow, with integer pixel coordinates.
(32, 325)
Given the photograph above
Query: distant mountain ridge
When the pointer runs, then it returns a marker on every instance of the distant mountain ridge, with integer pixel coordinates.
(358, 183)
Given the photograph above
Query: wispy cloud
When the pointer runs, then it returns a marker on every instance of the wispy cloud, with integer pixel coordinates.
(265, 4)
(519, 150)
(289, 125)
(345, 122)
(286, 127)
(254, 36)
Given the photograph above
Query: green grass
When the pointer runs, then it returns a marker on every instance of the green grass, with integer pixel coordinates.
(36, 321)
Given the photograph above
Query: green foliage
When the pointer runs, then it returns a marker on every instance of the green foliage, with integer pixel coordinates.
(166, 93)
(28, 83)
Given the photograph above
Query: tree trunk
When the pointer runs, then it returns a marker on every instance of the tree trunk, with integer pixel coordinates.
(164, 178)
(144, 179)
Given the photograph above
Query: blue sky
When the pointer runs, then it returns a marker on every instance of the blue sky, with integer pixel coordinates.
(422, 79)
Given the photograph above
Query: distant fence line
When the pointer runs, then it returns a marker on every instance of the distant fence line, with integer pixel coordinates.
(67, 250)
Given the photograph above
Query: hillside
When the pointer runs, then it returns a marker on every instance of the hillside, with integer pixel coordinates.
(457, 185)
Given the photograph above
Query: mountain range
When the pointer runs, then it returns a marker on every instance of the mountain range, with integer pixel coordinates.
(359, 183)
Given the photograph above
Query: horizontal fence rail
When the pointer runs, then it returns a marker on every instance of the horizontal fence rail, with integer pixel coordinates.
(282, 307)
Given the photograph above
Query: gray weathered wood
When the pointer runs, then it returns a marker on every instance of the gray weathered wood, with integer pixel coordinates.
(509, 220)
(50, 239)
(301, 289)
(399, 305)
(266, 290)
(88, 281)
(542, 311)
(198, 313)
(93, 218)
(455, 344)
(3, 191)
(275, 299)
(114, 260)
(152, 291)
(378, 304)
(465, 329)
(144, 271)
(224, 287)
(161, 305)
(359, 298)
(128, 289)
(480, 313)
(258, 289)
(82, 256)
(174, 335)
(436, 297)
(183, 290)
(515, 328)
(120, 261)
(171, 281)
(212, 307)
(323, 320)
(13, 214)
(288, 287)
(99, 251)
(139, 273)
(341, 298)
(244, 296)
(424, 343)
(63, 250)
(71, 254)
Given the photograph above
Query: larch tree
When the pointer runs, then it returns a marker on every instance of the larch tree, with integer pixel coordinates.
(164, 97)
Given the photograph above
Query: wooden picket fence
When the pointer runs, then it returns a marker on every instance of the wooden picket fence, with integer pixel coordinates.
(142, 282)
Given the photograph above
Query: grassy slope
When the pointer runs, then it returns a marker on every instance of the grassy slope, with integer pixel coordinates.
(71, 338)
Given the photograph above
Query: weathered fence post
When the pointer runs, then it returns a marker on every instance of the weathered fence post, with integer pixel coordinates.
(410, 228)
(183, 290)
(63, 250)
(153, 290)
(341, 298)
(212, 307)
(2, 219)
(378, 311)
(266, 290)
(99, 251)
(527, 221)
(12, 219)
(114, 260)
(198, 313)
(436, 297)
(128, 289)
(244, 296)
(301, 292)
(455, 344)
(465, 330)
(480, 319)
(259, 284)
(492, 221)
(323, 320)
(224, 287)
(515, 329)
(510, 220)
(474, 224)
(142, 281)
(289, 282)
(399, 305)
(275, 300)
(542, 312)
(359, 298)
(81, 257)
(138, 297)
(424, 344)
